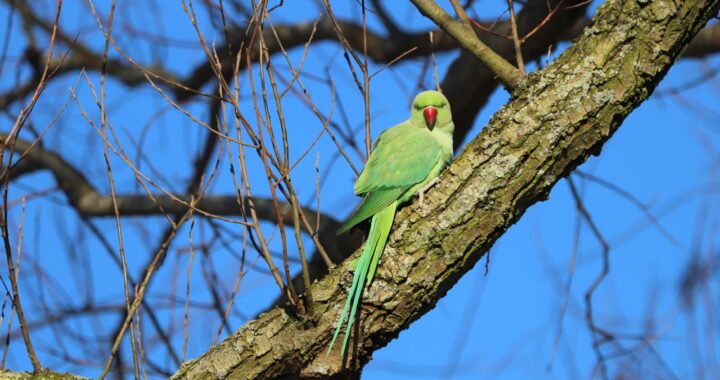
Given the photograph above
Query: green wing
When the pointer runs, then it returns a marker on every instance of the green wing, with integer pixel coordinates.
(403, 156)
(371, 205)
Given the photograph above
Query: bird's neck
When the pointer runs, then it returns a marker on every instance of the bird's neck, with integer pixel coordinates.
(444, 136)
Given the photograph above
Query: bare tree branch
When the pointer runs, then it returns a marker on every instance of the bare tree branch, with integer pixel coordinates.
(706, 42)
(9, 375)
(89, 202)
(507, 74)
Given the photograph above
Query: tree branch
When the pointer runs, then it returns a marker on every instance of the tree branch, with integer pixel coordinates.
(89, 202)
(468, 85)
(45, 374)
(380, 48)
(706, 42)
(567, 112)
(509, 76)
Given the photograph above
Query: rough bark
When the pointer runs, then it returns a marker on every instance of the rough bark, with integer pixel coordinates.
(45, 374)
(567, 112)
(468, 85)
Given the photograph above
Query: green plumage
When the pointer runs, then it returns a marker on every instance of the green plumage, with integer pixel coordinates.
(406, 157)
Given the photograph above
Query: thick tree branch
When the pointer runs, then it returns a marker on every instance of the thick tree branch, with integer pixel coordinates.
(565, 114)
(706, 42)
(468, 85)
(45, 374)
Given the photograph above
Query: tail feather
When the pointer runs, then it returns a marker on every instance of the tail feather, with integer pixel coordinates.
(353, 289)
(365, 269)
(384, 219)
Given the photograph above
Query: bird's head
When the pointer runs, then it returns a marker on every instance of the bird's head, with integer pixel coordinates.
(431, 110)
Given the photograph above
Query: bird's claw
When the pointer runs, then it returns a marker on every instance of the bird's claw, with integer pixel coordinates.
(421, 192)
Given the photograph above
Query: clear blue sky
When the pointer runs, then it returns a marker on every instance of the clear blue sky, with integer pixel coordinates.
(499, 325)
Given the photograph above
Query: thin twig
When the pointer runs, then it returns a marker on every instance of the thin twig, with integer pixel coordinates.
(436, 78)
(460, 12)
(366, 82)
(111, 180)
(635, 202)
(19, 122)
(515, 38)
(186, 317)
(589, 313)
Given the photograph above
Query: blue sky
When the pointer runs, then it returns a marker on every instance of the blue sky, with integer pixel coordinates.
(500, 325)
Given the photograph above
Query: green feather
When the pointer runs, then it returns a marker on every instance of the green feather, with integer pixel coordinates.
(365, 269)
(371, 205)
(405, 158)
(384, 220)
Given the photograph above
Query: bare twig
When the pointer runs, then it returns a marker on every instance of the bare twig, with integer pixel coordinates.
(19, 122)
(186, 318)
(635, 202)
(599, 335)
(515, 38)
(460, 12)
(366, 82)
(111, 180)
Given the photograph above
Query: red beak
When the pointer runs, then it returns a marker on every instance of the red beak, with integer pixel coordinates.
(430, 114)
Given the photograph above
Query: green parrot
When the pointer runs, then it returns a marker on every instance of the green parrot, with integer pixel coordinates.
(406, 160)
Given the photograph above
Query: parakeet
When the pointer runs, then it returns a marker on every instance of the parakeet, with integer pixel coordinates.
(406, 158)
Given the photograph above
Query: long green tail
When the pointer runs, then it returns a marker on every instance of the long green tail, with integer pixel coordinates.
(365, 268)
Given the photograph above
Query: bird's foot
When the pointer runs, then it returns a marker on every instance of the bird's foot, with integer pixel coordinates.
(421, 192)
